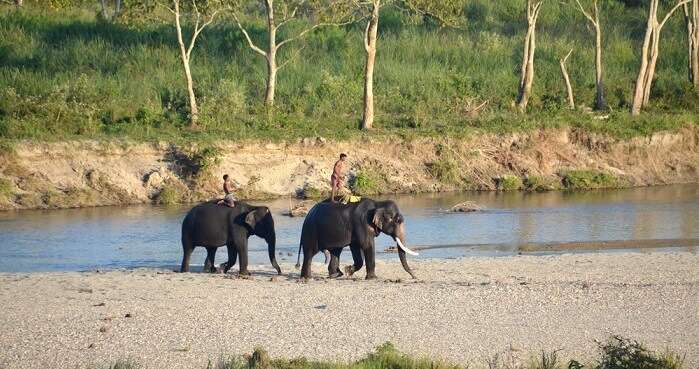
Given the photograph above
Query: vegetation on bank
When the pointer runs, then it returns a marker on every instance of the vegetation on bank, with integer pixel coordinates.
(67, 74)
(617, 353)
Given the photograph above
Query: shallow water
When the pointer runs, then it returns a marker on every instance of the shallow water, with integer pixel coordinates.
(148, 236)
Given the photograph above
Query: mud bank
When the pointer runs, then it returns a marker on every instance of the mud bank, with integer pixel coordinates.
(90, 173)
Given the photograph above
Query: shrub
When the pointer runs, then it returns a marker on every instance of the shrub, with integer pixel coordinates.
(444, 170)
(508, 183)
(589, 179)
(366, 182)
(6, 188)
(622, 353)
(540, 183)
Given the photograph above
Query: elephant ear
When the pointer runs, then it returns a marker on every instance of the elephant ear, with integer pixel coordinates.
(378, 219)
(255, 216)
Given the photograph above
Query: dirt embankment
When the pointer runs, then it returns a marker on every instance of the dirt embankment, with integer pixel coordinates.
(74, 174)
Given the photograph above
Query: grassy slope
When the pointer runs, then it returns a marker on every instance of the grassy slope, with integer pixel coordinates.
(67, 75)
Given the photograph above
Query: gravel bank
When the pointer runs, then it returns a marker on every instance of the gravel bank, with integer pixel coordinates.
(461, 310)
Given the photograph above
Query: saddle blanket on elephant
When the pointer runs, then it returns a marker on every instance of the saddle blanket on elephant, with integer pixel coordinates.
(351, 199)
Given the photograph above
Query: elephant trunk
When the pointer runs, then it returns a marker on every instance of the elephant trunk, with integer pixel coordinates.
(402, 250)
(271, 249)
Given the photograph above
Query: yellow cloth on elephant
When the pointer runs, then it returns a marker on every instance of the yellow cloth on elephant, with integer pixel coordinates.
(351, 199)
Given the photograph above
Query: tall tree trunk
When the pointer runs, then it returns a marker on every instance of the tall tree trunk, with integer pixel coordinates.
(19, 3)
(527, 73)
(600, 103)
(649, 55)
(370, 36)
(691, 16)
(566, 78)
(271, 55)
(105, 14)
(643, 70)
(193, 108)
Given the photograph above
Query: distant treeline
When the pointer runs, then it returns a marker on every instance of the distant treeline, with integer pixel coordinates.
(92, 68)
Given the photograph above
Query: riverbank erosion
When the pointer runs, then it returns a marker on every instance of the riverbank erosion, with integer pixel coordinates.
(463, 311)
(92, 173)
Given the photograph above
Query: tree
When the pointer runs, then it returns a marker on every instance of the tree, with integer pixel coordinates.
(594, 20)
(649, 55)
(325, 10)
(200, 22)
(370, 39)
(105, 10)
(527, 72)
(691, 17)
(446, 12)
(564, 72)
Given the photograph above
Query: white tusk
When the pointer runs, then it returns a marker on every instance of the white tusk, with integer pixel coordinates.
(402, 247)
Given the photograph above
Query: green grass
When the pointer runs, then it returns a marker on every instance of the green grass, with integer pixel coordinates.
(589, 179)
(617, 353)
(65, 74)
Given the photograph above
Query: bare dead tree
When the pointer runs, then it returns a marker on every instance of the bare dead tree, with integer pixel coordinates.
(566, 78)
(691, 17)
(106, 14)
(594, 20)
(370, 40)
(273, 46)
(200, 22)
(649, 55)
(527, 77)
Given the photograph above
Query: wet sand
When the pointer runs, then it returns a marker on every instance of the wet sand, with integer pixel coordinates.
(462, 310)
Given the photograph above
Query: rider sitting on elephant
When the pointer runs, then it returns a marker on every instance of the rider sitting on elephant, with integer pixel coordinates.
(229, 199)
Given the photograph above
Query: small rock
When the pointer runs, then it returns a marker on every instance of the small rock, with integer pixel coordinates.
(85, 290)
(104, 329)
(100, 304)
(128, 315)
(92, 345)
(320, 307)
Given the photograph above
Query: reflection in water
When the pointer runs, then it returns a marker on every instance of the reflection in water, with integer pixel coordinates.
(79, 239)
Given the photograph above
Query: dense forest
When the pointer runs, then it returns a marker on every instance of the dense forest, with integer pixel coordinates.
(71, 69)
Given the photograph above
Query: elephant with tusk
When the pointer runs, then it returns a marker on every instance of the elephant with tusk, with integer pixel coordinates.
(329, 227)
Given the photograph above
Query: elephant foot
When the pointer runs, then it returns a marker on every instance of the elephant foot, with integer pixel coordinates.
(349, 270)
(337, 274)
(371, 276)
(244, 274)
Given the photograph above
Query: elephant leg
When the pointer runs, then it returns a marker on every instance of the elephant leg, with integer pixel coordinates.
(358, 260)
(210, 257)
(308, 254)
(370, 256)
(232, 258)
(187, 248)
(243, 253)
(334, 265)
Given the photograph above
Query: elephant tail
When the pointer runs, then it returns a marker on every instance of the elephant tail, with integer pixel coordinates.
(298, 257)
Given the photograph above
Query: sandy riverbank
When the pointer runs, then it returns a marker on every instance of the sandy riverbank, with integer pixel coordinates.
(460, 310)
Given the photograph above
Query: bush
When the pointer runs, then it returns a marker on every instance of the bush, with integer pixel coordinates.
(508, 183)
(622, 353)
(444, 170)
(589, 179)
(171, 194)
(366, 182)
(539, 183)
(6, 189)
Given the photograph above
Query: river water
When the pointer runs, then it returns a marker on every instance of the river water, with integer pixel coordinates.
(641, 219)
